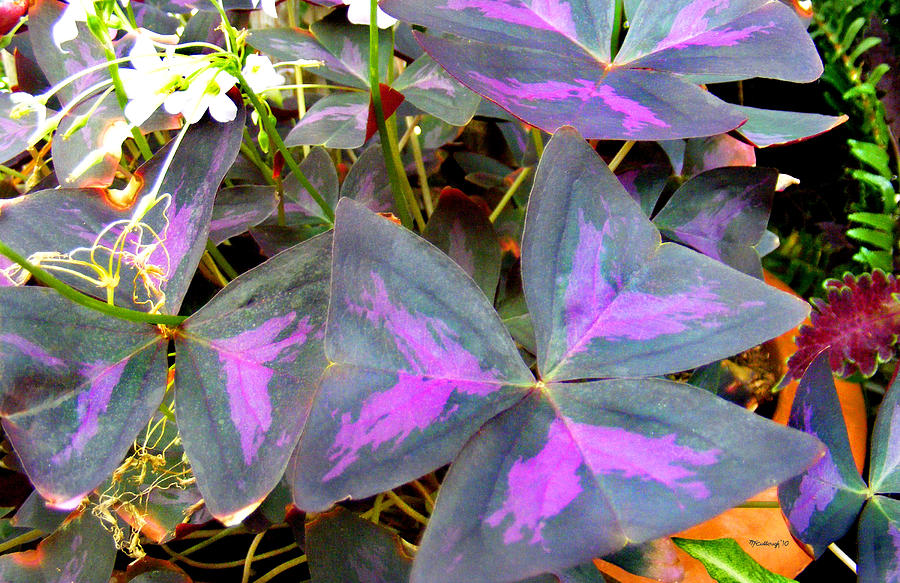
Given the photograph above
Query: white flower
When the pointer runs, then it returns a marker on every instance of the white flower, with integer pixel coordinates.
(206, 91)
(151, 80)
(268, 7)
(66, 29)
(359, 13)
(260, 74)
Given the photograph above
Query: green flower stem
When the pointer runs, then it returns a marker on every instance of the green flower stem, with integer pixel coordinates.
(420, 170)
(281, 569)
(21, 540)
(402, 191)
(759, 504)
(139, 139)
(523, 174)
(252, 157)
(406, 508)
(81, 299)
(10, 172)
(620, 155)
(248, 561)
(274, 138)
(538, 142)
(298, 71)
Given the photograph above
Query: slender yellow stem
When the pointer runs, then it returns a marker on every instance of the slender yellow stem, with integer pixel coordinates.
(620, 155)
(248, 562)
(429, 500)
(406, 508)
(281, 569)
(21, 540)
(510, 192)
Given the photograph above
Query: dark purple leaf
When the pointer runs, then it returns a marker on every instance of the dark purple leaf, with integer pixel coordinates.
(550, 91)
(579, 470)
(289, 44)
(436, 133)
(238, 208)
(246, 367)
(15, 132)
(273, 239)
(35, 514)
(77, 387)
(79, 230)
(766, 127)
(70, 153)
(335, 121)
(722, 213)
(420, 362)
(427, 86)
(192, 178)
(655, 559)
(822, 503)
(857, 320)
(607, 299)
(376, 555)
(645, 184)
(551, 64)
(737, 38)
(702, 154)
(879, 541)
(884, 460)
(460, 228)
(320, 170)
(82, 52)
(81, 550)
(368, 183)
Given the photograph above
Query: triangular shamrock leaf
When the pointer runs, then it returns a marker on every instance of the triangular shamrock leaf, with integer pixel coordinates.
(884, 460)
(246, 366)
(551, 63)
(420, 362)
(460, 228)
(81, 550)
(645, 184)
(702, 154)
(722, 213)
(335, 121)
(15, 131)
(320, 171)
(77, 385)
(238, 208)
(342, 47)
(608, 299)
(367, 182)
(766, 127)
(727, 562)
(426, 85)
(879, 533)
(376, 555)
(581, 469)
(822, 503)
(156, 240)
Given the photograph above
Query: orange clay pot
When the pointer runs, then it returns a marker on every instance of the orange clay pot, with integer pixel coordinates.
(763, 532)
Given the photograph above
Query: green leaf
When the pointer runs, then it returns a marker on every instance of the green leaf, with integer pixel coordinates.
(876, 259)
(876, 220)
(879, 239)
(872, 154)
(726, 562)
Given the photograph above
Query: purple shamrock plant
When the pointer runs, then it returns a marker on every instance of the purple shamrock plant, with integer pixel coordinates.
(824, 502)
(554, 63)
(594, 453)
(78, 384)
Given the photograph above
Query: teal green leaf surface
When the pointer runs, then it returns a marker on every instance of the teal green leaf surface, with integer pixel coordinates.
(77, 387)
(420, 362)
(376, 556)
(246, 369)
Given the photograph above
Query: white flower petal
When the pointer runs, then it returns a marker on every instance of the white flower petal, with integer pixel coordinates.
(260, 74)
(268, 7)
(138, 110)
(359, 12)
(222, 108)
